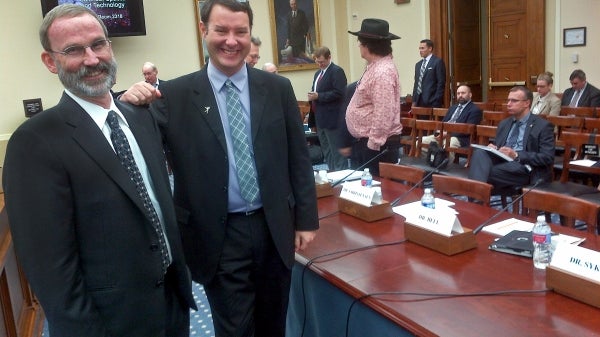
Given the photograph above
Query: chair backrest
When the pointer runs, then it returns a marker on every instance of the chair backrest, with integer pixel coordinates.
(462, 128)
(591, 124)
(425, 128)
(574, 142)
(408, 139)
(565, 123)
(485, 105)
(407, 174)
(493, 117)
(485, 134)
(421, 112)
(578, 111)
(457, 186)
(569, 207)
(439, 113)
(304, 107)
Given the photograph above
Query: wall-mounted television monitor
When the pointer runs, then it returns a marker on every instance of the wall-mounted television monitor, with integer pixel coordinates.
(121, 17)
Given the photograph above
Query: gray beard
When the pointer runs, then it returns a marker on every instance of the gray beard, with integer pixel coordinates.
(73, 81)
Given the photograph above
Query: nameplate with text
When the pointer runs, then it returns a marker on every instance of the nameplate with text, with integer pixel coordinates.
(357, 193)
(441, 220)
(577, 260)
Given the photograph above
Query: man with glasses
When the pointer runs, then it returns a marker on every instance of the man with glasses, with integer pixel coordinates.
(88, 199)
(525, 138)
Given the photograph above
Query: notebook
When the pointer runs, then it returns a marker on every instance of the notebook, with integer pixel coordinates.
(516, 243)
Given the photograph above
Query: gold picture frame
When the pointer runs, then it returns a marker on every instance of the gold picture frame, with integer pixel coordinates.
(290, 55)
(201, 45)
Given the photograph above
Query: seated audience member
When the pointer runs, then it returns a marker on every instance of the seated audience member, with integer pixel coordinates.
(270, 67)
(526, 138)
(581, 92)
(545, 102)
(463, 112)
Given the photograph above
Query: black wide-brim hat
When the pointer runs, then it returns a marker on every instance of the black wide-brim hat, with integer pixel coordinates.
(375, 29)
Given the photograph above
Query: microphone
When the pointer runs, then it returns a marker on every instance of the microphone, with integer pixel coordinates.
(429, 174)
(360, 167)
(488, 221)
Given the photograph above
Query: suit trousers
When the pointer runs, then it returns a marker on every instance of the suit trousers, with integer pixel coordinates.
(497, 171)
(362, 154)
(328, 140)
(249, 294)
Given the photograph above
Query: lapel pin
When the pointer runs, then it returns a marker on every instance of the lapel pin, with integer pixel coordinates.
(206, 108)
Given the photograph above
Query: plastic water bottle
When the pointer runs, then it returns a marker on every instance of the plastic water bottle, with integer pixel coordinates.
(542, 248)
(428, 200)
(366, 179)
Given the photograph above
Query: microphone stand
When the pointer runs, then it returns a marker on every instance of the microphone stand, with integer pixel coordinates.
(360, 167)
(429, 174)
(488, 221)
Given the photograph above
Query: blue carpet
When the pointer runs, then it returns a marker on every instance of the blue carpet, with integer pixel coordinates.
(200, 321)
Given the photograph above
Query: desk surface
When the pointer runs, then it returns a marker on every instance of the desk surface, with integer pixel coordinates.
(408, 267)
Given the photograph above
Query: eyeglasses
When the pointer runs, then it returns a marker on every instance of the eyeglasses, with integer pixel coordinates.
(512, 100)
(97, 47)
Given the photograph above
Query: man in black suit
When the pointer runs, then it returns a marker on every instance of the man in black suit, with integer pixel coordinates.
(430, 78)
(326, 96)
(463, 112)
(581, 92)
(524, 137)
(297, 30)
(239, 245)
(100, 247)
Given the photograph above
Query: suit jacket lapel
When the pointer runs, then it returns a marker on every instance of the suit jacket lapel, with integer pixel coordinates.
(87, 134)
(204, 99)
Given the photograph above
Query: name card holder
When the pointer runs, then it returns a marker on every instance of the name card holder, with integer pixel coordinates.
(324, 190)
(573, 272)
(449, 245)
(370, 213)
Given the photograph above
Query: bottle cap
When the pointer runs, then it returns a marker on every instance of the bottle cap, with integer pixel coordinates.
(428, 190)
(367, 170)
(541, 218)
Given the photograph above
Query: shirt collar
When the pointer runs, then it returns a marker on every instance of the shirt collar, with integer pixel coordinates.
(96, 112)
(239, 79)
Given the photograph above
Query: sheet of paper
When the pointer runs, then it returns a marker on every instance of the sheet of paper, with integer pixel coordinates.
(506, 226)
(406, 210)
(583, 162)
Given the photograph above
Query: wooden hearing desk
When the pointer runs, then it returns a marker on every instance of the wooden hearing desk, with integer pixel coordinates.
(330, 284)
(20, 313)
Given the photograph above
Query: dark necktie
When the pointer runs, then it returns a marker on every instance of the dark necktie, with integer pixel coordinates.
(123, 150)
(241, 147)
(456, 113)
(514, 135)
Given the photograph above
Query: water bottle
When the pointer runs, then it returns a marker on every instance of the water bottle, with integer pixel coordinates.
(542, 248)
(366, 179)
(428, 200)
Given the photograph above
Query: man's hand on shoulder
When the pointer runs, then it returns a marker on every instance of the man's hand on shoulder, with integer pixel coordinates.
(140, 93)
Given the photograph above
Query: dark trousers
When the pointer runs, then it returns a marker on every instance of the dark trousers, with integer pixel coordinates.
(362, 154)
(497, 171)
(249, 294)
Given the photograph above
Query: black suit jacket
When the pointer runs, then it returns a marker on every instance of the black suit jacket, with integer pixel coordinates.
(589, 97)
(471, 114)
(433, 85)
(538, 145)
(297, 30)
(331, 90)
(80, 229)
(193, 131)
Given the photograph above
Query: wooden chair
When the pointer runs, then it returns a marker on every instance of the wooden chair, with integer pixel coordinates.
(485, 134)
(485, 105)
(408, 175)
(439, 113)
(421, 112)
(568, 207)
(503, 107)
(578, 111)
(591, 124)
(562, 123)
(457, 186)
(425, 128)
(408, 139)
(462, 128)
(493, 117)
(304, 107)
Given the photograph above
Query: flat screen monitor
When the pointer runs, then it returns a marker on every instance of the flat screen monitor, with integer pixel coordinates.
(121, 17)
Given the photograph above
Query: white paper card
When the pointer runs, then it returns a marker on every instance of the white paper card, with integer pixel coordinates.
(506, 226)
(577, 260)
(441, 220)
(357, 193)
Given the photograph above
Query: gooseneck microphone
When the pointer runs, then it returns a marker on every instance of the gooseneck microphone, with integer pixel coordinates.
(429, 174)
(488, 221)
(360, 167)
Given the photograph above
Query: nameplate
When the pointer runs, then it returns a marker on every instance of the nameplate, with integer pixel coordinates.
(590, 149)
(357, 193)
(441, 220)
(577, 260)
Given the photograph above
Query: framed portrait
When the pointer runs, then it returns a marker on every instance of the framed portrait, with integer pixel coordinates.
(295, 33)
(574, 37)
